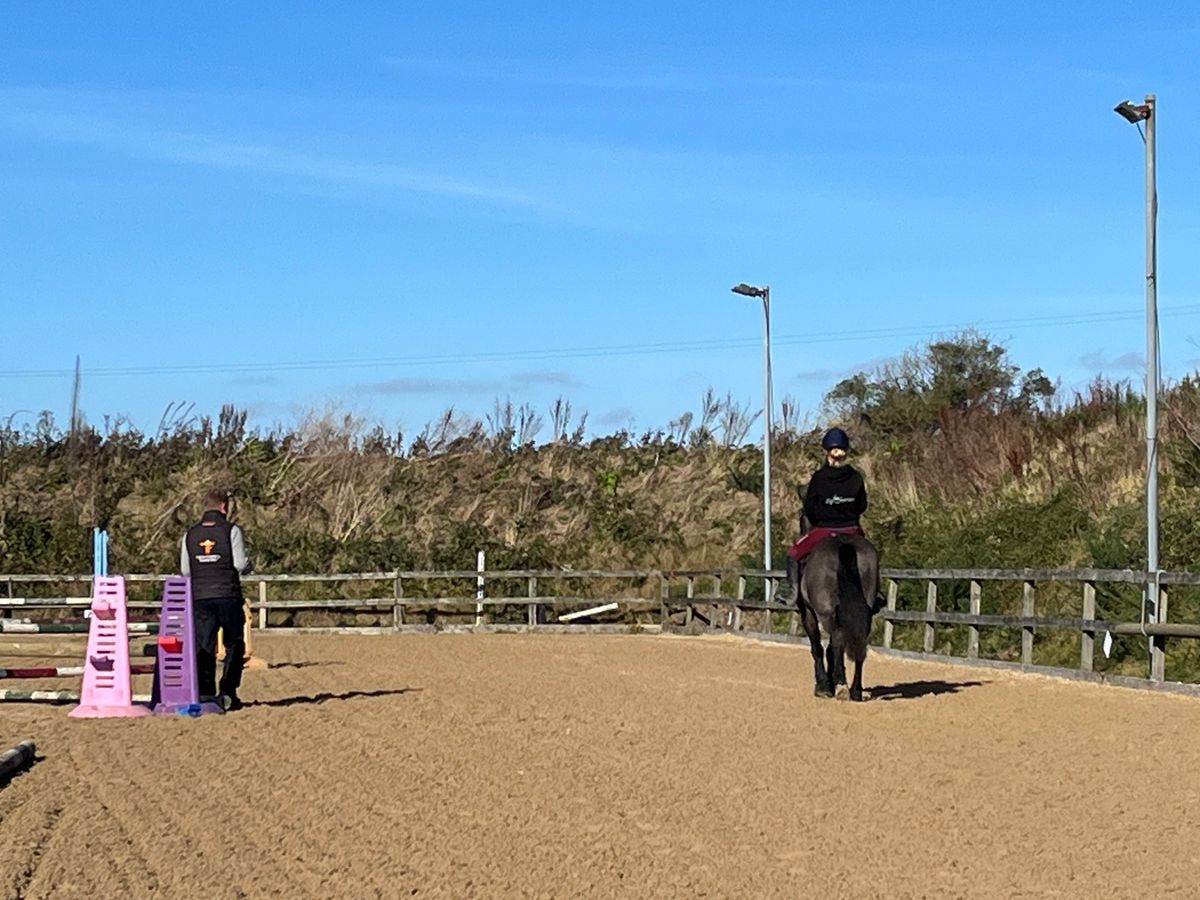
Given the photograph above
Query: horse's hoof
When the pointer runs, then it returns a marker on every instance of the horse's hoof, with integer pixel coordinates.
(856, 696)
(822, 691)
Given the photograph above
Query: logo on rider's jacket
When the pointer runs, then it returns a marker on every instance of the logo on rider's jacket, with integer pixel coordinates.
(837, 498)
(207, 545)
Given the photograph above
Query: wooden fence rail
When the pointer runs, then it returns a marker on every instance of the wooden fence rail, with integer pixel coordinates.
(699, 598)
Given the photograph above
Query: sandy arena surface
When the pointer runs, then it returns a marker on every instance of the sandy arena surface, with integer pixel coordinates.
(632, 766)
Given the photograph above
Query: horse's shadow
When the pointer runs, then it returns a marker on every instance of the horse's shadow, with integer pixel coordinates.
(304, 664)
(326, 696)
(913, 690)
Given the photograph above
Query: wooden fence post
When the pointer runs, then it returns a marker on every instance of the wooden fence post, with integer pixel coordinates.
(398, 606)
(767, 624)
(1158, 644)
(1087, 639)
(931, 591)
(737, 610)
(691, 591)
(1027, 607)
(664, 611)
(262, 605)
(532, 615)
(973, 629)
(889, 629)
(717, 593)
(480, 563)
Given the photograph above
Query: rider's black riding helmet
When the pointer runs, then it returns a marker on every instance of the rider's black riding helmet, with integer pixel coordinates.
(835, 439)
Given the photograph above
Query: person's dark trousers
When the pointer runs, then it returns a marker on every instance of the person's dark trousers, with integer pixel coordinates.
(224, 613)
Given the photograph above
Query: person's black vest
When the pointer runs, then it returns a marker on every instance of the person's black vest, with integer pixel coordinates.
(210, 555)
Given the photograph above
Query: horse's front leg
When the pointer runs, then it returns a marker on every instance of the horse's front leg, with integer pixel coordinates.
(813, 629)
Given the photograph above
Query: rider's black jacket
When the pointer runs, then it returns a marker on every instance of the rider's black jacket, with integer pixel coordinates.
(836, 497)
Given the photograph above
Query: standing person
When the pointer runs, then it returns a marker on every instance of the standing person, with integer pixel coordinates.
(834, 504)
(213, 555)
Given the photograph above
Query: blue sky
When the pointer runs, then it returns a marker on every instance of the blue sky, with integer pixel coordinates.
(389, 209)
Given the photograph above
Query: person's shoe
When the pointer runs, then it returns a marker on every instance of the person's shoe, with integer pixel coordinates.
(785, 593)
(230, 702)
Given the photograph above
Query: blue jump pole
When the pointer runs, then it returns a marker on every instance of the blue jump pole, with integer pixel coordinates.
(99, 552)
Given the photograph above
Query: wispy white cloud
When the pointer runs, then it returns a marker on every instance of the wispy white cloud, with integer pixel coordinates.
(621, 417)
(601, 77)
(616, 185)
(643, 77)
(815, 376)
(1100, 361)
(465, 387)
(426, 386)
(48, 121)
(1099, 76)
(252, 381)
(831, 375)
(533, 379)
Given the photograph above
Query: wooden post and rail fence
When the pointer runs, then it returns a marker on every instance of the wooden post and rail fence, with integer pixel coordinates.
(959, 606)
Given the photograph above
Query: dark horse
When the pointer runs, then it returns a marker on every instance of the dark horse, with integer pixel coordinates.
(838, 593)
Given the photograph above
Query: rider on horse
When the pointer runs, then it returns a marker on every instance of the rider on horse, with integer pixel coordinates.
(834, 504)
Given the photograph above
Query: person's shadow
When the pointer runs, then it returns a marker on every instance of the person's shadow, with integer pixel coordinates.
(326, 696)
(912, 690)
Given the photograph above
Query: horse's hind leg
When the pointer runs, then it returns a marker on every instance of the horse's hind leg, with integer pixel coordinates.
(837, 666)
(813, 630)
(856, 644)
(835, 662)
(856, 688)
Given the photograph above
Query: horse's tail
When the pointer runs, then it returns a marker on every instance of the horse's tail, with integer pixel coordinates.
(853, 609)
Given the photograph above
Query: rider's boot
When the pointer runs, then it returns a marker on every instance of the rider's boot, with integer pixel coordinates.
(788, 592)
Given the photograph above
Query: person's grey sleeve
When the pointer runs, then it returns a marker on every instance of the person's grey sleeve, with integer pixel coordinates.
(243, 565)
(185, 564)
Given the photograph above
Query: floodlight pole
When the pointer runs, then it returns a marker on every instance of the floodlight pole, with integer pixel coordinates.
(769, 403)
(1153, 592)
(764, 293)
(1152, 595)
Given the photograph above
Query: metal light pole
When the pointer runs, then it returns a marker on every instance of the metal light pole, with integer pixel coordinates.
(1136, 115)
(748, 290)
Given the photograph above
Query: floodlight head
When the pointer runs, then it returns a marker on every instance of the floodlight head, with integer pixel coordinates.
(748, 290)
(1130, 113)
